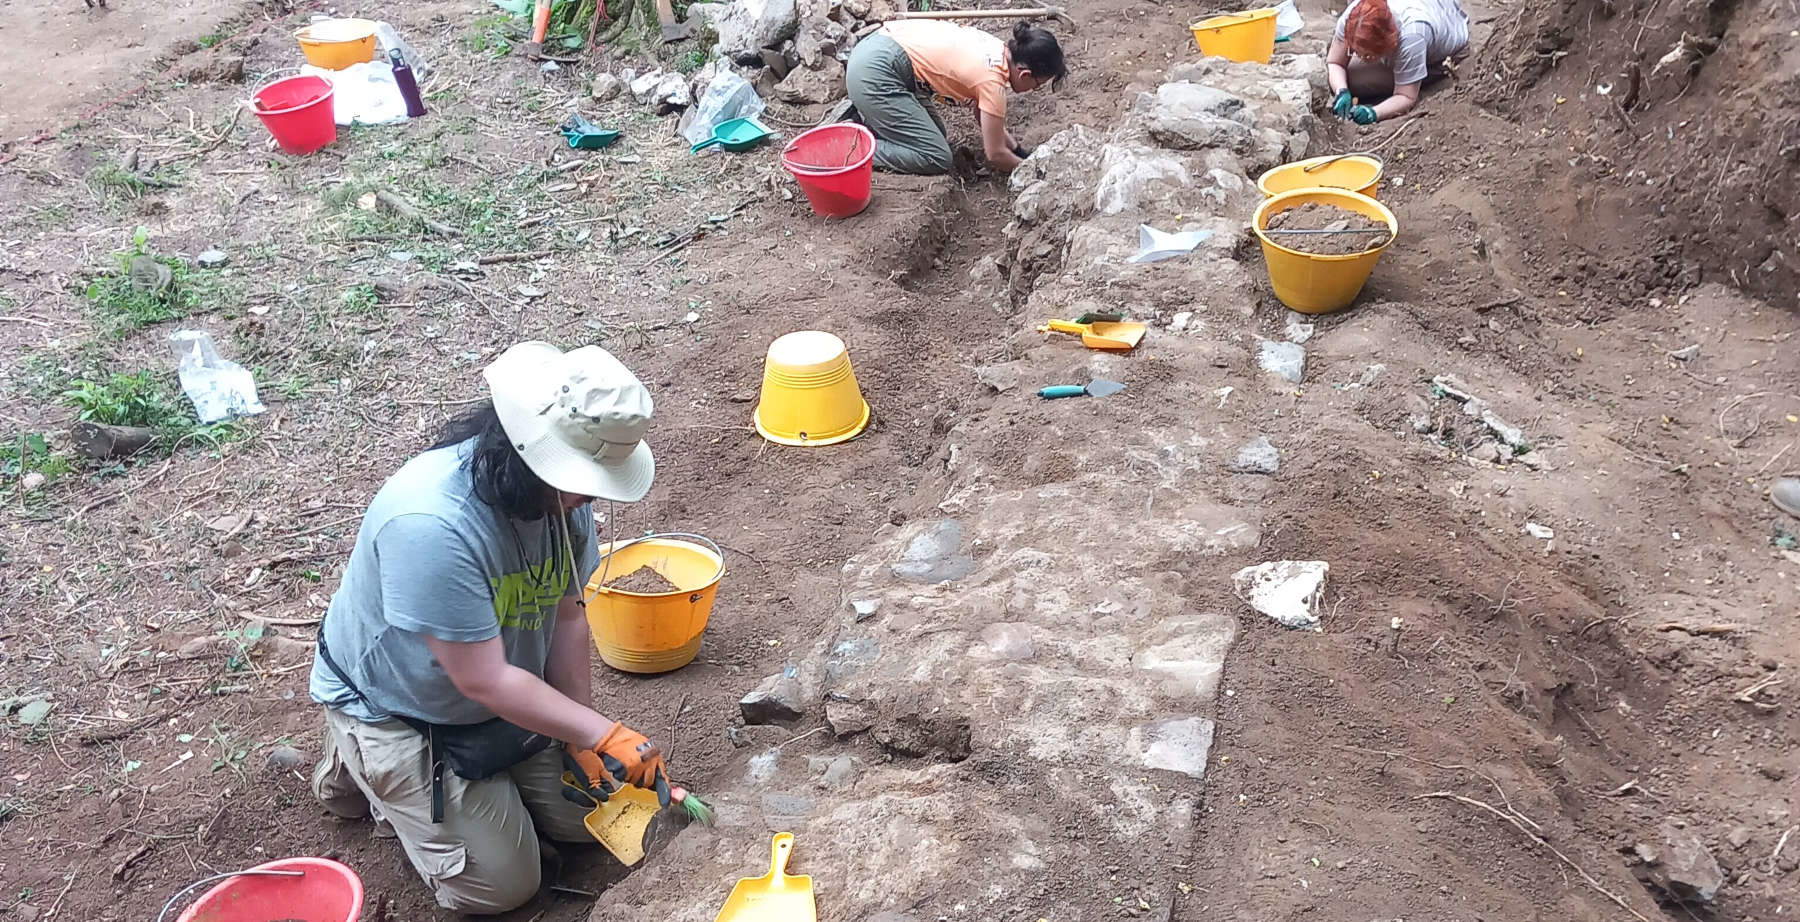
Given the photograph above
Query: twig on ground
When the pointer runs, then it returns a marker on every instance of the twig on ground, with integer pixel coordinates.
(1513, 298)
(119, 869)
(1512, 811)
(411, 212)
(1542, 842)
(1770, 463)
(799, 736)
(1697, 630)
(1779, 845)
(1748, 695)
(513, 257)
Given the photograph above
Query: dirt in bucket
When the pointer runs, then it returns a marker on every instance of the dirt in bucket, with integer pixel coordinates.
(643, 580)
(1348, 231)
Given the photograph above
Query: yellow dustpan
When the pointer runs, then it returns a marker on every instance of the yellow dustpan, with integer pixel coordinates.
(1100, 335)
(619, 822)
(774, 897)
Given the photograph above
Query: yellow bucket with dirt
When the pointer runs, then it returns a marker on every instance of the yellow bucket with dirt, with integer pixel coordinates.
(656, 630)
(1357, 172)
(335, 44)
(1315, 283)
(1247, 36)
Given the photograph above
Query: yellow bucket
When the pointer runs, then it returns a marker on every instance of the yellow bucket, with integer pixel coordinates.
(1247, 36)
(654, 632)
(1358, 172)
(1309, 282)
(335, 44)
(809, 394)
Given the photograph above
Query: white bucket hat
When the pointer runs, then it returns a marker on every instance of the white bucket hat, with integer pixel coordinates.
(577, 418)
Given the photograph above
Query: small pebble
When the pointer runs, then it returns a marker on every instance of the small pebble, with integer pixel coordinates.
(286, 758)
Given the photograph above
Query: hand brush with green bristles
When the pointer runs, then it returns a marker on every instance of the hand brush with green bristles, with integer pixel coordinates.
(697, 810)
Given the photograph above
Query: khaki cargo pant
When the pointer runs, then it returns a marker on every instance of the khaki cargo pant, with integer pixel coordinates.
(483, 858)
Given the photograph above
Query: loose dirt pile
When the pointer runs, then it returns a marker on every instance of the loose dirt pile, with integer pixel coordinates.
(643, 580)
(1327, 230)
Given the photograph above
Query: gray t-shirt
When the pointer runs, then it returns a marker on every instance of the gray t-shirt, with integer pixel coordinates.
(433, 559)
(1430, 31)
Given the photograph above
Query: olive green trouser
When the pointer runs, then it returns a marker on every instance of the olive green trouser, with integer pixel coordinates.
(483, 858)
(909, 136)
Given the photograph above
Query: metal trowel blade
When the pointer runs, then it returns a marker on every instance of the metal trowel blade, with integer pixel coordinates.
(1100, 387)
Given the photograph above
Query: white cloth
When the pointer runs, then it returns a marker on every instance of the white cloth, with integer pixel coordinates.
(1430, 31)
(363, 94)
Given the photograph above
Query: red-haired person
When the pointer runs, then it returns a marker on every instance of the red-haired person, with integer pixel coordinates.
(1383, 52)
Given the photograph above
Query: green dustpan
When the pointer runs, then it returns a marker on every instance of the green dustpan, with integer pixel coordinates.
(736, 134)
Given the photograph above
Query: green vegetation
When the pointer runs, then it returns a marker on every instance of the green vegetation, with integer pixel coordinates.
(690, 61)
(29, 453)
(360, 299)
(134, 295)
(207, 41)
(493, 35)
(141, 399)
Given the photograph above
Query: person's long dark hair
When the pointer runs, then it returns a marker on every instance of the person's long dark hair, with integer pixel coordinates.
(502, 479)
(1037, 51)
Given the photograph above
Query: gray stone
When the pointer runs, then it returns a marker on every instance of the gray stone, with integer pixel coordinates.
(606, 88)
(1534, 460)
(1508, 433)
(1134, 180)
(746, 27)
(212, 259)
(786, 810)
(807, 86)
(1286, 360)
(776, 700)
(1179, 744)
(1008, 640)
(1001, 378)
(643, 87)
(851, 655)
(837, 773)
(286, 759)
(32, 482)
(1257, 456)
(848, 717)
(931, 556)
(1452, 387)
(1297, 331)
(1738, 837)
(672, 94)
(549, 67)
(1487, 452)
(1689, 870)
(865, 608)
(1686, 353)
(1193, 659)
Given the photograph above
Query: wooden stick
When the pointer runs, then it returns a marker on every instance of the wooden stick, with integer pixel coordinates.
(1534, 837)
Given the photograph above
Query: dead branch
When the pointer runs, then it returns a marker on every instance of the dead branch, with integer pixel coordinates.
(411, 212)
(1542, 842)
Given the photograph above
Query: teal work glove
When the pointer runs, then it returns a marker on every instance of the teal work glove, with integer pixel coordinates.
(1362, 115)
(1340, 105)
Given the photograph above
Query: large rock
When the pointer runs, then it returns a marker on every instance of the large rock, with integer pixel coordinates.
(746, 27)
(776, 700)
(1188, 116)
(1051, 186)
(1688, 872)
(1135, 180)
(806, 86)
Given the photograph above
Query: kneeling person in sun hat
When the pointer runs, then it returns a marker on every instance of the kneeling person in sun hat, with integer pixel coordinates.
(454, 662)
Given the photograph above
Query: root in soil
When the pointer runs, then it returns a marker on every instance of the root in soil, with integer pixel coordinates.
(1344, 231)
(643, 580)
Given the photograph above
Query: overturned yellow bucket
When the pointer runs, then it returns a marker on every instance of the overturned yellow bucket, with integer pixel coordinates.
(1315, 283)
(1247, 36)
(647, 632)
(809, 394)
(1356, 172)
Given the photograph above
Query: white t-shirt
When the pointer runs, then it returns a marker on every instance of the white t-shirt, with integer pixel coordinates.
(1430, 31)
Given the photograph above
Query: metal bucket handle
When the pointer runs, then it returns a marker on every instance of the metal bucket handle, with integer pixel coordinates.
(615, 547)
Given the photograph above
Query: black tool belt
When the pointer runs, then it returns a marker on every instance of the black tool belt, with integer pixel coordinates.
(473, 751)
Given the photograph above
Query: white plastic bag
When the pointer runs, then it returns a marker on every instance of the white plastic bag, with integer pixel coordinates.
(1287, 19)
(1156, 246)
(220, 389)
(390, 40)
(363, 94)
(727, 96)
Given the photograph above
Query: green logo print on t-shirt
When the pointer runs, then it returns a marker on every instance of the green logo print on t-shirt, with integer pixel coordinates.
(522, 599)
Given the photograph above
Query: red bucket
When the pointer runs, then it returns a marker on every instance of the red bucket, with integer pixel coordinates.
(834, 166)
(323, 891)
(298, 112)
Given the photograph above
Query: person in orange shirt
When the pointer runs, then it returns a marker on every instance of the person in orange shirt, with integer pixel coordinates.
(892, 71)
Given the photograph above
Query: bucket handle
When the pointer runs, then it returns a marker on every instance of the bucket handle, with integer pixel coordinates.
(273, 76)
(1315, 167)
(253, 872)
(606, 558)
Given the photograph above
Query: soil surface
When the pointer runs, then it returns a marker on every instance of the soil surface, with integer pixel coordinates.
(1492, 724)
(644, 580)
(1342, 231)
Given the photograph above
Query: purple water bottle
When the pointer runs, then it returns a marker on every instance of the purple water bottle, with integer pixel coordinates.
(409, 87)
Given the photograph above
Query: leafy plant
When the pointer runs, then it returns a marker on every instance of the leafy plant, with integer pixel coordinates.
(244, 639)
(30, 453)
(136, 302)
(142, 399)
(360, 299)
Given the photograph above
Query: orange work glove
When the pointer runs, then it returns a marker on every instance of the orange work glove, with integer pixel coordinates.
(626, 756)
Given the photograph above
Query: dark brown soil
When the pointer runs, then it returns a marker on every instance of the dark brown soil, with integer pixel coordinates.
(1349, 232)
(644, 580)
